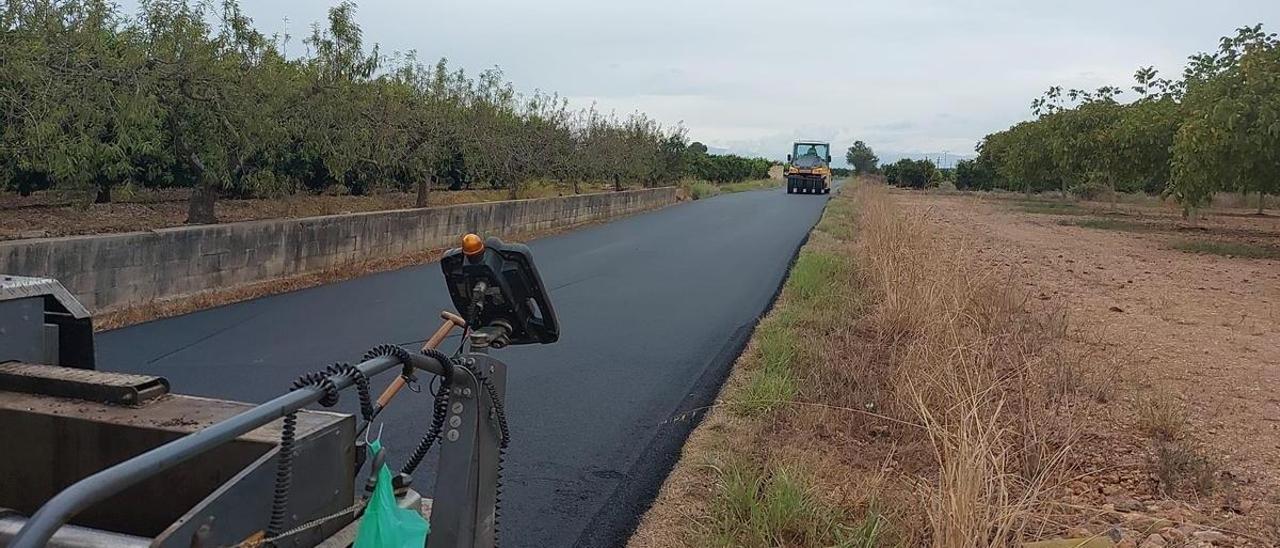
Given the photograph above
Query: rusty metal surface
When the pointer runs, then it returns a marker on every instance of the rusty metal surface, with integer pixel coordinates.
(84, 384)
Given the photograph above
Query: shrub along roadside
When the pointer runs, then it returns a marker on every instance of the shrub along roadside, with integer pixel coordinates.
(895, 395)
(698, 189)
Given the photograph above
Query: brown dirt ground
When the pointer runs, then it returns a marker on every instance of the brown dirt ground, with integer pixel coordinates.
(46, 214)
(1203, 329)
(1152, 321)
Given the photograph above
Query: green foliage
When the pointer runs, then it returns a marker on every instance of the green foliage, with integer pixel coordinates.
(699, 190)
(186, 93)
(1111, 224)
(1231, 137)
(911, 173)
(1229, 249)
(744, 186)
(1089, 190)
(778, 506)
(1216, 129)
(976, 174)
(862, 158)
(724, 168)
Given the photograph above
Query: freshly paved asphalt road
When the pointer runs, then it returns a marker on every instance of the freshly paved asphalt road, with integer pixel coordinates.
(653, 308)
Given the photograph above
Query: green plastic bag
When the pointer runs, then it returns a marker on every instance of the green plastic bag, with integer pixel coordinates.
(386, 525)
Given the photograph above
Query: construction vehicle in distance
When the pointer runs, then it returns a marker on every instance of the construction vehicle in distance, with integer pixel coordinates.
(809, 168)
(115, 460)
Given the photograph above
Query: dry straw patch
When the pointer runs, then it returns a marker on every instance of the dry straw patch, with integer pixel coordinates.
(899, 393)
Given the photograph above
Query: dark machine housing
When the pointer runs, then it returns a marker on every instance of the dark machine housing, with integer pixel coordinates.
(510, 292)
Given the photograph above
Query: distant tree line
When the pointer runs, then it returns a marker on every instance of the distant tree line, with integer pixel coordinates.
(1217, 128)
(724, 168)
(905, 172)
(187, 93)
(912, 173)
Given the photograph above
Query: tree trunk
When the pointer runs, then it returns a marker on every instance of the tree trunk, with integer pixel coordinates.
(104, 194)
(200, 209)
(424, 189)
(1262, 197)
(617, 183)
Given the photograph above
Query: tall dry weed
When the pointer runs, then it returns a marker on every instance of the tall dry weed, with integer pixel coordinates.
(968, 365)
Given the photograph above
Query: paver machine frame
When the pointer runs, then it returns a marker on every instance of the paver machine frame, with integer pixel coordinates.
(183, 471)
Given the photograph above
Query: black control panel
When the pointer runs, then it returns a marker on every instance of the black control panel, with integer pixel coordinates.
(497, 285)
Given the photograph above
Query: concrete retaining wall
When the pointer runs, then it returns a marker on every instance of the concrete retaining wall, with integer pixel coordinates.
(115, 270)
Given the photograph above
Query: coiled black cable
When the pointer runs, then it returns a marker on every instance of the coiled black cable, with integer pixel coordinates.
(387, 350)
(284, 457)
(361, 382)
(284, 476)
(288, 431)
(439, 412)
(504, 440)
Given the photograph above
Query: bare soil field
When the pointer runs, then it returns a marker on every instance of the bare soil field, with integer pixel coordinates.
(45, 214)
(1192, 433)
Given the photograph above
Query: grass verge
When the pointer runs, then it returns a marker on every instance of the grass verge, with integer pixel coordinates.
(1051, 208)
(1110, 224)
(699, 190)
(1228, 249)
(743, 186)
(897, 394)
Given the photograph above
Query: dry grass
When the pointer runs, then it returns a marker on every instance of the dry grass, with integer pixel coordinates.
(969, 369)
(907, 388)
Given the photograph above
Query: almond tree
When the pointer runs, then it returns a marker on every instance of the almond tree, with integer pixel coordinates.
(1231, 137)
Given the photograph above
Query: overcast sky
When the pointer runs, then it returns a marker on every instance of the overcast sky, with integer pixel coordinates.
(906, 76)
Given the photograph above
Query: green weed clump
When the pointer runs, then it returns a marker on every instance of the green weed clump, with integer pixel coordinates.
(756, 184)
(1110, 224)
(755, 507)
(1228, 249)
(700, 190)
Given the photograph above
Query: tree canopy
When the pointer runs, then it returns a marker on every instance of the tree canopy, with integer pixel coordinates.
(862, 158)
(187, 93)
(1217, 128)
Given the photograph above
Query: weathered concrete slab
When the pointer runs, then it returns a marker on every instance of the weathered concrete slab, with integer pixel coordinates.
(114, 270)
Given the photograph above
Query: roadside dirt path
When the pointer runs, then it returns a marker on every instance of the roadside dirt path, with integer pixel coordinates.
(1202, 329)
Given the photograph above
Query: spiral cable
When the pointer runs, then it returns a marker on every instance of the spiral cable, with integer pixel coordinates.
(504, 440)
(439, 412)
(284, 457)
(361, 382)
(387, 350)
(328, 398)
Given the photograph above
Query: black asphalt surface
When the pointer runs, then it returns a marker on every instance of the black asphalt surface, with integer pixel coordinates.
(653, 309)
